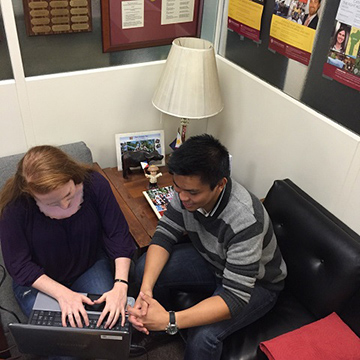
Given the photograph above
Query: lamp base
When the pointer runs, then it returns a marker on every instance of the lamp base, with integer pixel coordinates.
(183, 126)
(181, 134)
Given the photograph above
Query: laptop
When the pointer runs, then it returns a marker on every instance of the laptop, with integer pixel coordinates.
(44, 335)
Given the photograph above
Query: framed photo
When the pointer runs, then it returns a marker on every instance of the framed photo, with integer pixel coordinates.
(146, 141)
(130, 24)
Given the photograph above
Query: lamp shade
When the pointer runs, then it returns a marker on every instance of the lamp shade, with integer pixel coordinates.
(189, 86)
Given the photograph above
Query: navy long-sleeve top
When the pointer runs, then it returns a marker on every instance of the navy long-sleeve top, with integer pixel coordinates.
(33, 244)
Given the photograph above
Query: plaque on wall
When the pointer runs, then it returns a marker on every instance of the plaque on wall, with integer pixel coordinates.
(48, 17)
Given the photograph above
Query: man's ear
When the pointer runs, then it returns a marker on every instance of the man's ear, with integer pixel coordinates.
(222, 183)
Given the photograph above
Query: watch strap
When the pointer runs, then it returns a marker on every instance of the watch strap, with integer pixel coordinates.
(172, 317)
(172, 328)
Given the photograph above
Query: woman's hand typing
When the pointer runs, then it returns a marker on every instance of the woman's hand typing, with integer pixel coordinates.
(116, 300)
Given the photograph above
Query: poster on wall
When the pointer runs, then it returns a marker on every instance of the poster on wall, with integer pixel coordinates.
(343, 62)
(132, 24)
(293, 28)
(244, 17)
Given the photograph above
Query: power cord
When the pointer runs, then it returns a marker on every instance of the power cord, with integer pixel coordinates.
(7, 349)
(3, 276)
(137, 350)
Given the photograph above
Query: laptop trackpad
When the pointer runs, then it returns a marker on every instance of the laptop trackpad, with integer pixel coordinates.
(46, 303)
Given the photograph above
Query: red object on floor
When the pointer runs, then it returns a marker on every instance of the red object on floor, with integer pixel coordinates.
(326, 339)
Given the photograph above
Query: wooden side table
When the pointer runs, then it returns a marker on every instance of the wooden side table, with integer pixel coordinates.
(141, 218)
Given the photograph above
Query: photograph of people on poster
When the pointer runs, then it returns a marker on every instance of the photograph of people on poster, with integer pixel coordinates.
(293, 28)
(340, 38)
(343, 61)
(311, 19)
(344, 54)
(303, 12)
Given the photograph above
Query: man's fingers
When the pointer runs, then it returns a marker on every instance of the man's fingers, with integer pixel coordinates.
(145, 297)
(134, 311)
(147, 300)
(135, 321)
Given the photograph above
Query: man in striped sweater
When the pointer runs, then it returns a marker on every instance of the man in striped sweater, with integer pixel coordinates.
(232, 255)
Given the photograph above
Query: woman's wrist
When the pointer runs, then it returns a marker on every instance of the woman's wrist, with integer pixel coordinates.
(121, 281)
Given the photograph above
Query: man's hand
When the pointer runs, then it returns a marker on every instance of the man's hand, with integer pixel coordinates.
(116, 300)
(155, 318)
(135, 313)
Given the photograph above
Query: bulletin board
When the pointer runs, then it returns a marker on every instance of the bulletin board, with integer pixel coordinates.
(142, 23)
(323, 94)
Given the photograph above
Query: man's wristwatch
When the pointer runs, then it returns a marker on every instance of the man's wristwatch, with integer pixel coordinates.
(172, 328)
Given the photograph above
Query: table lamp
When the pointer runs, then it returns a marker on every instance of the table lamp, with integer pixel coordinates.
(189, 86)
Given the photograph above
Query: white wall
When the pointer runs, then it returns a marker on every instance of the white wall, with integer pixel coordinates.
(272, 136)
(12, 137)
(91, 106)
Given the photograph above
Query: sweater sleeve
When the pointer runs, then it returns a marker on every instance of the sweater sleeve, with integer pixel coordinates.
(170, 228)
(15, 247)
(241, 267)
(118, 240)
(252, 254)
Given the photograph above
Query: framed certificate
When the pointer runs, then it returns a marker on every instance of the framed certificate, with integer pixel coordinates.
(129, 24)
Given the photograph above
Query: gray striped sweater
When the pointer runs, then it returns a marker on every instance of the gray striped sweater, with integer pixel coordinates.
(237, 240)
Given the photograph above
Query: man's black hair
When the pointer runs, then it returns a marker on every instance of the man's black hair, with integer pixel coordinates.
(201, 155)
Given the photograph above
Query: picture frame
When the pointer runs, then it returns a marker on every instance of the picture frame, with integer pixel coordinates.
(145, 140)
(142, 23)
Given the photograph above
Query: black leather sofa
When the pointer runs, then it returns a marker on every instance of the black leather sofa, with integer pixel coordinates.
(323, 259)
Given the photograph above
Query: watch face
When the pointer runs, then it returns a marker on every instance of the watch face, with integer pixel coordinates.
(172, 329)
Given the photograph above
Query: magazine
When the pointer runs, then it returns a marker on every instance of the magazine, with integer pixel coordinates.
(159, 198)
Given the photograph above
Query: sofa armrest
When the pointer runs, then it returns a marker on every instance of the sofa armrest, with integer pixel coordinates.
(322, 253)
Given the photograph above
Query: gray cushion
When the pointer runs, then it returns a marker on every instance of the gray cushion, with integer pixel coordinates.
(78, 151)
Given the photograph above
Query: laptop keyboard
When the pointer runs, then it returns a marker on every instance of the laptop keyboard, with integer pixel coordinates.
(53, 318)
